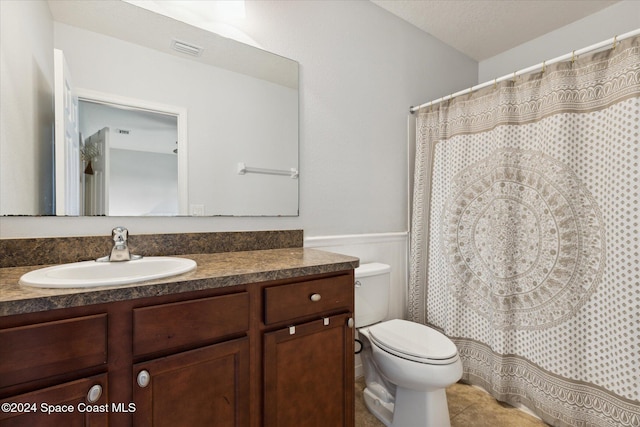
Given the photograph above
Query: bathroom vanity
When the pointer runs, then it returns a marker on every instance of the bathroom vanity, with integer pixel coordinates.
(251, 338)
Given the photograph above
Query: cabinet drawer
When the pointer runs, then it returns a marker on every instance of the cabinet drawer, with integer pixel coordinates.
(288, 302)
(52, 348)
(189, 323)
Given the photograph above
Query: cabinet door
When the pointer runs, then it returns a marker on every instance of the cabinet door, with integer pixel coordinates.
(309, 374)
(81, 403)
(204, 387)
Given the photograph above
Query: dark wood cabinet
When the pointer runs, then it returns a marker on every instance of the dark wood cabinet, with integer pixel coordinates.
(46, 349)
(170, 327)
(308, 374)
(277, 353)
(308, 353)
(206, 386)
(80, 403)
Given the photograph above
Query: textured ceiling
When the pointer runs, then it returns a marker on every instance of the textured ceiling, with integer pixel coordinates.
(484, 28)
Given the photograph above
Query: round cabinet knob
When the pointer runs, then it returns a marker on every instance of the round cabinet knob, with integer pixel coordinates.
(315, 297)
(143, 378)
(350, 322)
(94, 393)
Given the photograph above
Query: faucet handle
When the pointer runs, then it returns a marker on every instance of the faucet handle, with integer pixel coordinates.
(119, 234)
(120, 249)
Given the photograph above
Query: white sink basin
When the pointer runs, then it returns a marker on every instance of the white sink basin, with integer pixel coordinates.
(92, 273)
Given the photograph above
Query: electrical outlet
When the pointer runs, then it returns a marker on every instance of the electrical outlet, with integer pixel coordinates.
(196, 210)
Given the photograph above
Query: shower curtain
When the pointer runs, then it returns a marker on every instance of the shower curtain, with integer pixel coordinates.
(525, 236)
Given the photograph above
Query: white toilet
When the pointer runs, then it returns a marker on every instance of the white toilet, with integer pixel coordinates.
(407, 366)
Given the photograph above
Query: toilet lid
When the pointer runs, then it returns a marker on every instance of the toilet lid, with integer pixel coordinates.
(413, 341)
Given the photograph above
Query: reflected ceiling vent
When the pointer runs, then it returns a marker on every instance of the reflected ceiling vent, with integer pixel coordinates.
(186, 48)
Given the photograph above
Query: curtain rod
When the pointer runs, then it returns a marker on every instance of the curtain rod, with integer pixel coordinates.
(612, 41)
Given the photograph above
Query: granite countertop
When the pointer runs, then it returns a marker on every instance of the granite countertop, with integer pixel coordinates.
(214, 271)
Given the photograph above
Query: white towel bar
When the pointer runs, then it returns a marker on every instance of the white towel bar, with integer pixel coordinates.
(244, 169)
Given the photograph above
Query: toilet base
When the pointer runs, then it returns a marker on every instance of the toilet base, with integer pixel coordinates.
(414, 408)
(420, 408)
(379, 408)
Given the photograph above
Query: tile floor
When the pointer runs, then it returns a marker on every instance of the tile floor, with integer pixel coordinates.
(468, 407)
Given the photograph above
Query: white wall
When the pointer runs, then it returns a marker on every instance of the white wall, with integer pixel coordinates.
(617, 19)
(360, 70)
(156, 185)
(26, 130)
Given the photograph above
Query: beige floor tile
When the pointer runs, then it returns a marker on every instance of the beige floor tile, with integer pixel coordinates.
(364, 418)
(468, 407)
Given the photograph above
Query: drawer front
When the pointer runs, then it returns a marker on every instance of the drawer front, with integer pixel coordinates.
(289, 302)
(43, 350)
(189, 323)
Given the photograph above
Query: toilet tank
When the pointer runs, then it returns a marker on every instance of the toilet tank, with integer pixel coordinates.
(372, 293)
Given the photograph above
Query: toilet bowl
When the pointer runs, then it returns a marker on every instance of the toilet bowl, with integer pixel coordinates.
(407, 366)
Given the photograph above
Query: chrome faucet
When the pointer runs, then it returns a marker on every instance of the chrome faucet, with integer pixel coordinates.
(120, 250)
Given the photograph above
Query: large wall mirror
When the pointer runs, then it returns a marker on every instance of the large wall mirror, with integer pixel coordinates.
(151, 116)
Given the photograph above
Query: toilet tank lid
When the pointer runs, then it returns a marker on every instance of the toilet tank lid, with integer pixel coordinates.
(371, 269)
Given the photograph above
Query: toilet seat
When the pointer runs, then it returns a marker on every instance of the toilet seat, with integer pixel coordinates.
(413, 341)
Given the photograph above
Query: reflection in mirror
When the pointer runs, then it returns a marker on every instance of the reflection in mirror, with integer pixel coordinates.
(125, 146)
(242, 106)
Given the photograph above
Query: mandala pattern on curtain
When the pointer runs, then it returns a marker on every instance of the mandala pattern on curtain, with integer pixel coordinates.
(526, 238)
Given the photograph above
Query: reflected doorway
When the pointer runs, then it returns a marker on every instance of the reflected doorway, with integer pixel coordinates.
(132, 160)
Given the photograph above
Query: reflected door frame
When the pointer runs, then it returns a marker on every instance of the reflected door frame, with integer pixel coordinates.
(66, 139)
(154, 107)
